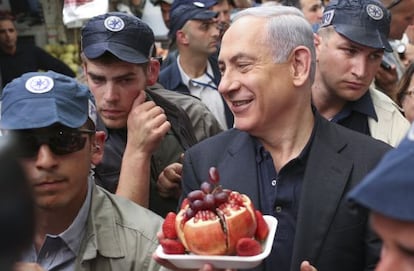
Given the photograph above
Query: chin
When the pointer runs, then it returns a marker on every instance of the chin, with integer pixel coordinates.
(114, 124)
(244, 125)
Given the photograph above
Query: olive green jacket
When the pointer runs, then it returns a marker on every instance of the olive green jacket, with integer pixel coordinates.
(120, 235)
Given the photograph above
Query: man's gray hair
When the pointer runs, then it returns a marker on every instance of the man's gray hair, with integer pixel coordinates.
(286, 29)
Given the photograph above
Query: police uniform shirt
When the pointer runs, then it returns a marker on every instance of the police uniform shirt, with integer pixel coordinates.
(59, 252)
(204, 88)
(355, 114)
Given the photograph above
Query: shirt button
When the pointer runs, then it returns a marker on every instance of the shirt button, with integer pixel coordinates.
(274, 182)
(278, 209)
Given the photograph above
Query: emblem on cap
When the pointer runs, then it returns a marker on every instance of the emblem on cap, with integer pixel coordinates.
(114, 23)
(327, 18)
(39, 84)
(375, 12)
(199, 4)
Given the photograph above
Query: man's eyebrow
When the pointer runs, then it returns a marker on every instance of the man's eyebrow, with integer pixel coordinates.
(237, 57)
(406, 250)
(91, 74)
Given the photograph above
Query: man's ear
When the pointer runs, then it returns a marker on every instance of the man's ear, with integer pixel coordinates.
(153, 70)
(181, 37)
(317, 40)
(301, 59)
(98, 147)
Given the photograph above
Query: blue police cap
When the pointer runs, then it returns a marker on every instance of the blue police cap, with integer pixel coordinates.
(388, 188)
(366, 22)
(125, 36)
(185, 10)
(40, 99)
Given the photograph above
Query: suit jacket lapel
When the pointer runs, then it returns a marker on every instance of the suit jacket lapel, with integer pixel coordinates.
(323, 187)
(240, 161)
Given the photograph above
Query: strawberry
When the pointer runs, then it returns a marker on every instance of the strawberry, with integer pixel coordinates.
(248, 247)
(168, 227)
(262, 229)
(172, 246)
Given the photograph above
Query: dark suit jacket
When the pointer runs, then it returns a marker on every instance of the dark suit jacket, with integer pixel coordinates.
(170, 78)
(330, 234)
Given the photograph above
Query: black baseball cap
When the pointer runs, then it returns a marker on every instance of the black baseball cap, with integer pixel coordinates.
(185, 10)
(366, 22)
(125, 36)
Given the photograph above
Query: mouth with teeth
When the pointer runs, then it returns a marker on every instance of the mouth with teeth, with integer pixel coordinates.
(240, 103)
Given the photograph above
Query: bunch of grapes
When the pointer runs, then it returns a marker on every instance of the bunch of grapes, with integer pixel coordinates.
(208, 198)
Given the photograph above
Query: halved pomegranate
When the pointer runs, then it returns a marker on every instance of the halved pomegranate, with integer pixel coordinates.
(215, 219)
(212, 220)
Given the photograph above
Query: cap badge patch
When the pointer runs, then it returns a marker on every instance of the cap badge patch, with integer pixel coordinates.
(375, 12)
(114, 23)
(199, 4)
(327, 18)
(39, 84)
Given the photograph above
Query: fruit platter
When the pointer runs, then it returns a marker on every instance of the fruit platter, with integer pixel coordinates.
(217, 226)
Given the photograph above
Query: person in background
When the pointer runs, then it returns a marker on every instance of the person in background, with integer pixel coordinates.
(79, 225)
(223, 9)
(312, 9)
(132, 7)
(195, 71)
(291, 162)
(387, 193)
(408, 41)
(17, 219)
(405, 94)
(238, 5)
(17, 58)
(145, 132)
(345, 40)
(172, 51)
(387, 76)
(165, 7)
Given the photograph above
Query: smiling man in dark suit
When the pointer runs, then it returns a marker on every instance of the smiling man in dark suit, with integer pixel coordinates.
(294, 164)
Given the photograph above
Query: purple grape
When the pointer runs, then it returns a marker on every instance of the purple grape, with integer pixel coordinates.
(209, 202)
(221, 197)
(214, 175)
(189, 213)
(195, 195)
(197, 205)
(206, 187)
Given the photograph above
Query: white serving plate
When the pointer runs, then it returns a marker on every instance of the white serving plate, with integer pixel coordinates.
(192, 261)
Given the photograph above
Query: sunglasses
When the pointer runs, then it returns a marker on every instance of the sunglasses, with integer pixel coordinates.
(60, 142)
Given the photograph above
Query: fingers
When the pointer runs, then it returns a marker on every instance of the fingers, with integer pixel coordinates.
(147, 125)
(21, 266)
(169, 181)
(306, 266)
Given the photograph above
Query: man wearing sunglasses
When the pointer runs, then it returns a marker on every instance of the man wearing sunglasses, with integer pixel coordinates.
(79, 226)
